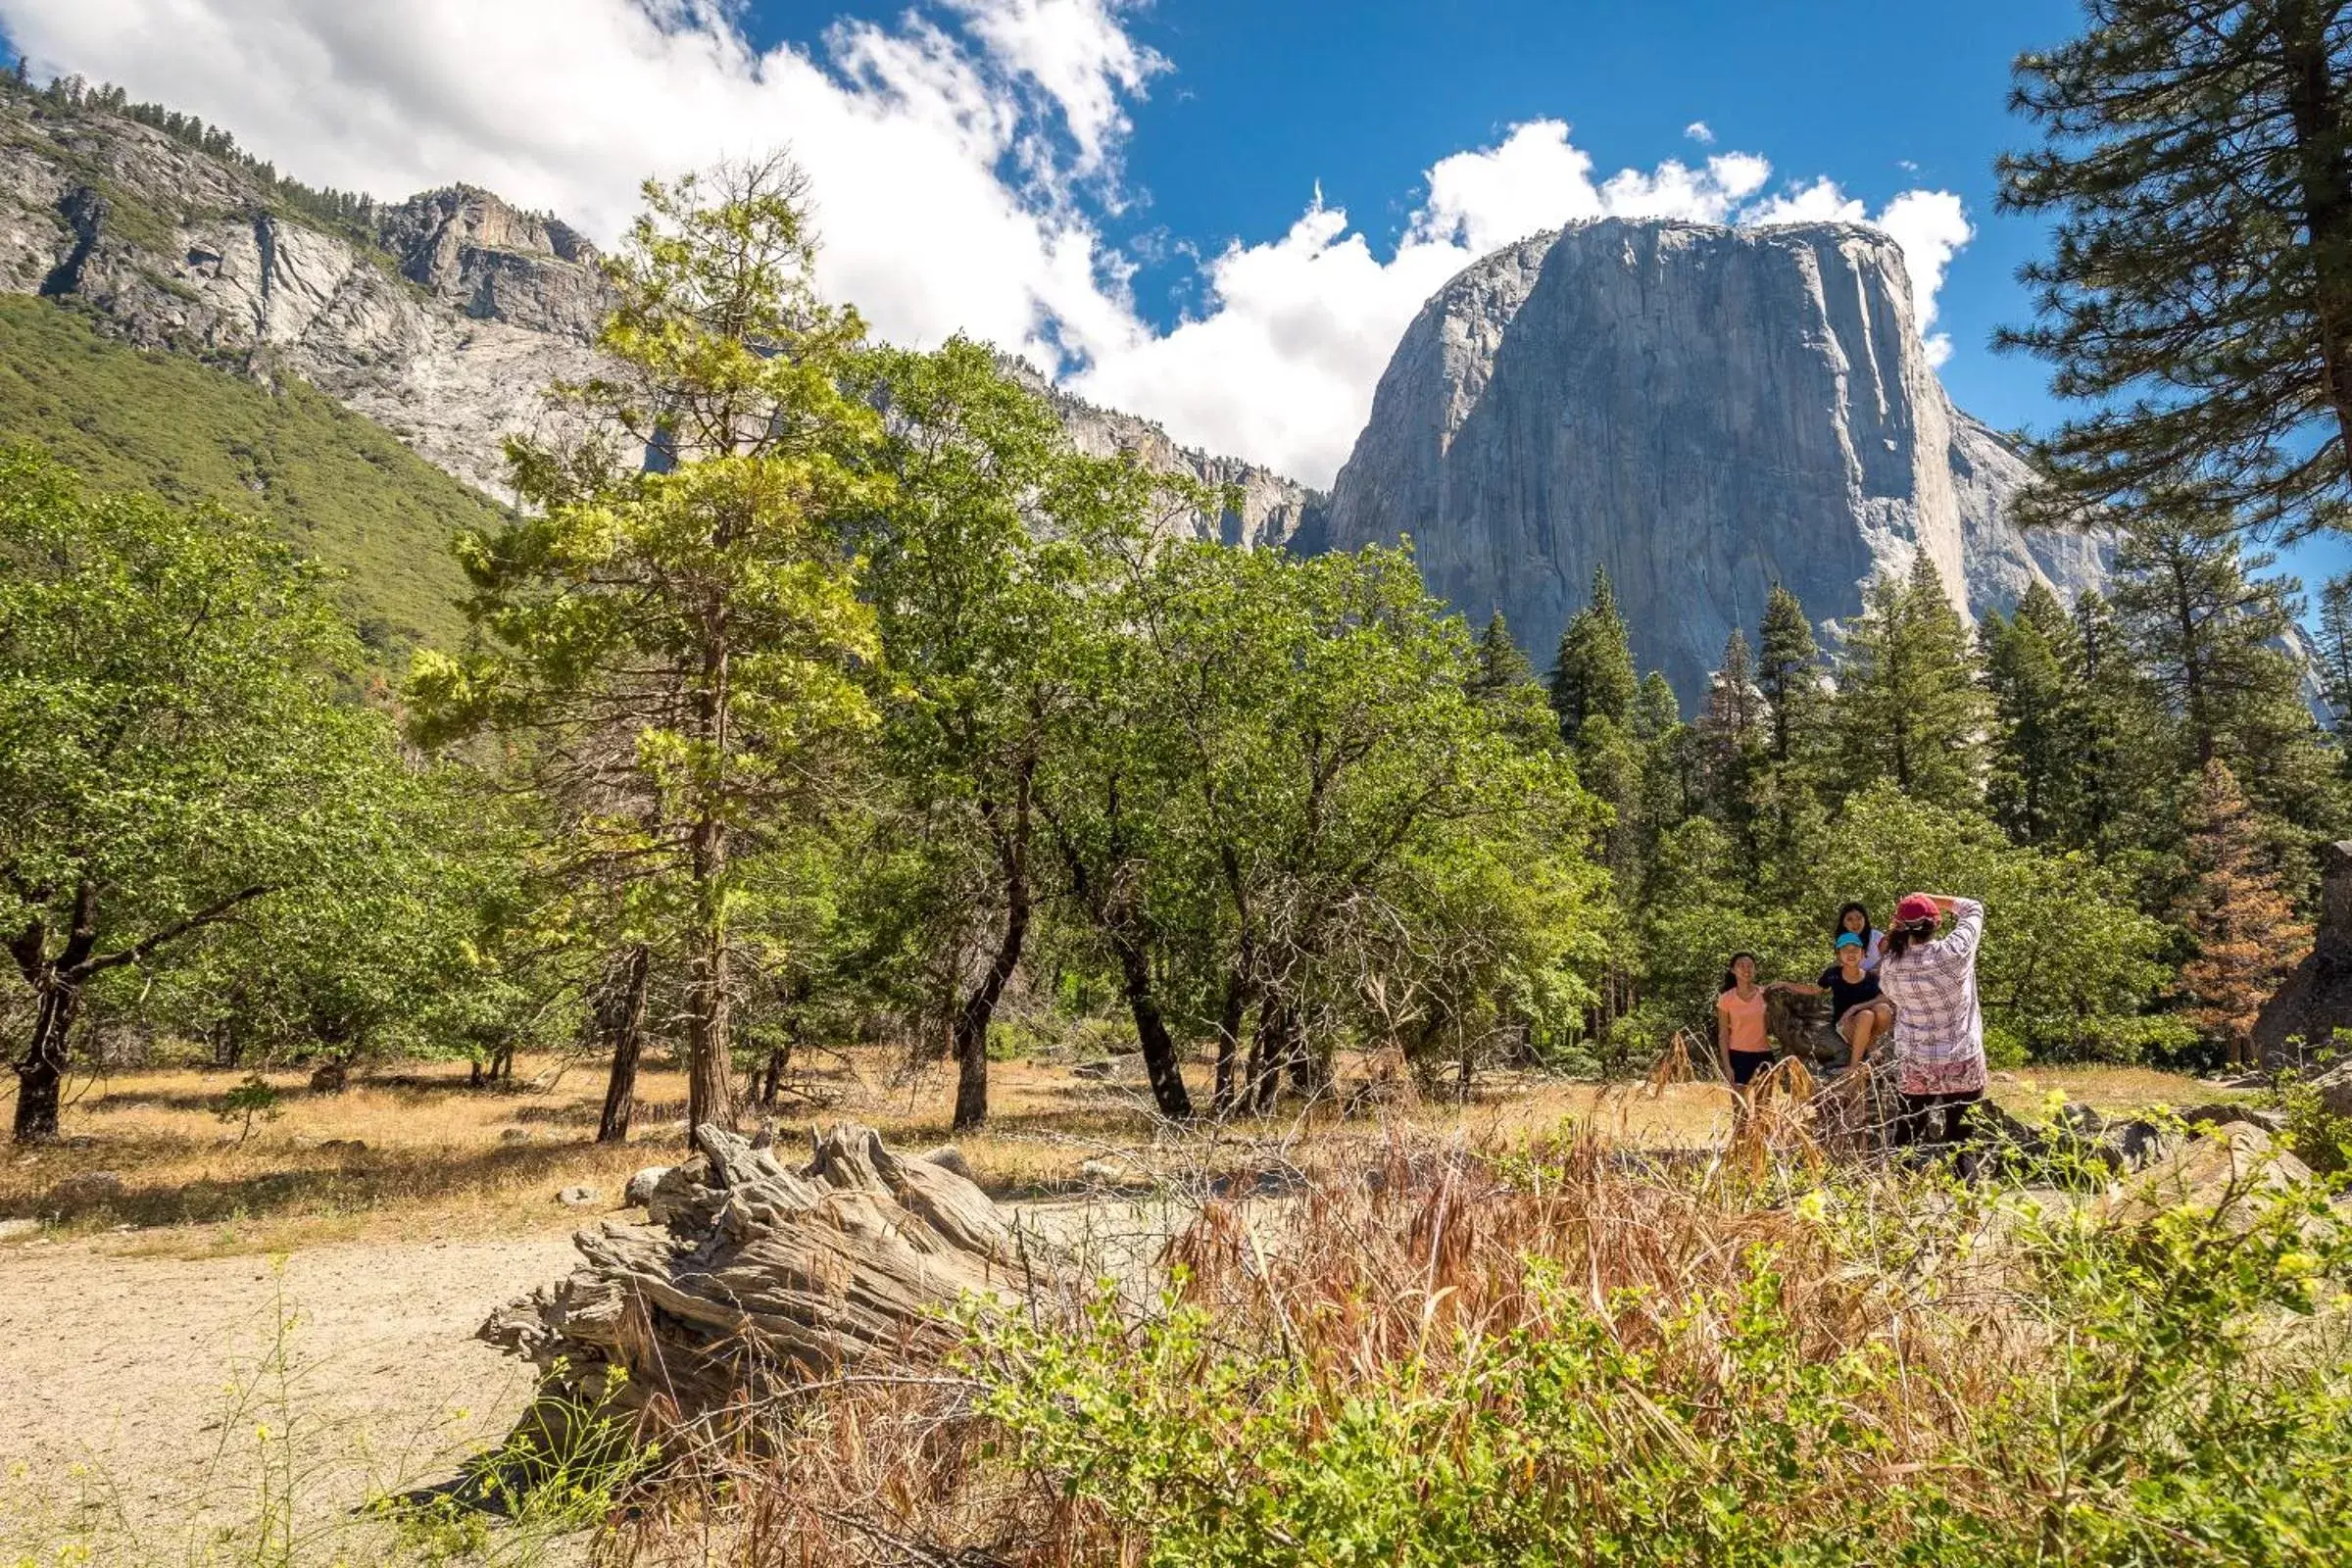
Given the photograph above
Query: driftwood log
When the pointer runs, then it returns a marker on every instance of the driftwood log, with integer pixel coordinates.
(752, 1276)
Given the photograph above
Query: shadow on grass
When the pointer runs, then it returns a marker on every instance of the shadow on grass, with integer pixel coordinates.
(351, 1183)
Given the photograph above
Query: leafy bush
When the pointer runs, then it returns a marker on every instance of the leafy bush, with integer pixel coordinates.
(1829, 1385)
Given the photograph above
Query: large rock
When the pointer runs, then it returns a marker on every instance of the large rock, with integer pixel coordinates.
(1703, 410)
(2304, 1013)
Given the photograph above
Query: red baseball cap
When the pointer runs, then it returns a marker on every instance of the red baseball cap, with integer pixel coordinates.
(1915, 906)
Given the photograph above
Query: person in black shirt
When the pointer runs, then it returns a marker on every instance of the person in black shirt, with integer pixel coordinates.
(1863, 1015)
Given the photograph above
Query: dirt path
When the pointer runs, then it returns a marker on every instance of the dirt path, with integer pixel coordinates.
(140, 1370)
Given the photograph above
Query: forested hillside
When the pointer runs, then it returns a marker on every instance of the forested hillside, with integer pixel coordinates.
(332, 483)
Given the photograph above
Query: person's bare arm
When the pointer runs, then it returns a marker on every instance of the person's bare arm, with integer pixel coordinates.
(1723, 1042)
(1795, 988)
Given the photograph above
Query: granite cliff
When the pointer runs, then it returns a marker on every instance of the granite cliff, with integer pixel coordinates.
(1703, 410)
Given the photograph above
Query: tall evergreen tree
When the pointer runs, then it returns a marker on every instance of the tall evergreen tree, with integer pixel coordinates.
(1501, 667)
(2040, 719)
(1734, 739)
(2336, 645)
(2121, 801)
(2245, 929)
(1788, 673)
(2199, 286)
(2211, 631)
(1909, 707)
(1595, 674)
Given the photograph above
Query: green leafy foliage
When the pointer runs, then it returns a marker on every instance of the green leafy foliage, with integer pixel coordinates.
(172, 745)
(2181, 1400)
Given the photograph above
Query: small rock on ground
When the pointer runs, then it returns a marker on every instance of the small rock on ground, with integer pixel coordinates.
(640, 1187)
(15, 1230)
(580, 1196)
(947, 1157)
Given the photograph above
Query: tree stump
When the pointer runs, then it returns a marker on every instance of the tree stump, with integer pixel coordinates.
(753, 1277)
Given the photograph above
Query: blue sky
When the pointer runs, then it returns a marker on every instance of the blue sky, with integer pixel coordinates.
(1128, 193)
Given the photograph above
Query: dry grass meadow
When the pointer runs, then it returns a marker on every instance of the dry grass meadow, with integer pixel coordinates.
(410, 1151)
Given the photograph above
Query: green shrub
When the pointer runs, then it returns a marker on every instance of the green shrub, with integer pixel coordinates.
(2169, 1392)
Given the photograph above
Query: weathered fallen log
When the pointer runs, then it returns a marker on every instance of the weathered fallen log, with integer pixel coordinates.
(753, 1276)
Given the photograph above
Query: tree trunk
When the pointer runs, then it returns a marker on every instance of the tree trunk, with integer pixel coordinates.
(1269, 1052)
(1231, 1010)
(708, 1099)
(2324, 174)
(624, 1027)
(1152, 1029)
(41, 1070)
(972, 1018)
(771, 1082)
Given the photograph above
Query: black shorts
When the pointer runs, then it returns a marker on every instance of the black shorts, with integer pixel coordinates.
(1746, 1065)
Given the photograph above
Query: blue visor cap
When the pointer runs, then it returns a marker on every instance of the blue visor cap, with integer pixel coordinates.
(1847, 939)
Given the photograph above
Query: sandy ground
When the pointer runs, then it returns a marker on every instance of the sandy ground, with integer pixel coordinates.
(153, 1380)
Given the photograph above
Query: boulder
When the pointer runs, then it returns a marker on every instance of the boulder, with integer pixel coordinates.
(640, 1189)
(755, 1276)
(2315, 1000)
(2334, 1087)
(2224, 1113)
(947, 1157)
(2216, 1168)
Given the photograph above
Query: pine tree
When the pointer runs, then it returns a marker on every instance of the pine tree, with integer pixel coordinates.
(1909, 706)
(2122, 802)
(1733, 738)
(2040, 719)
(2198, 292)
(1788, 673)
(2211, 630)
(1595, 670)
(1503, 681)
(1501, 667)
(2335, 644)
(2245, 929)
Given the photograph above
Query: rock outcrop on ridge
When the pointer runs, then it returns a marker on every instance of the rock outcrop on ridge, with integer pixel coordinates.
(1704, 410)
(1274, 511)
(443, 319)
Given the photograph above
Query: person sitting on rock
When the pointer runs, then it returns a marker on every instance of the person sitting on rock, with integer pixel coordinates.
(1857, 1010)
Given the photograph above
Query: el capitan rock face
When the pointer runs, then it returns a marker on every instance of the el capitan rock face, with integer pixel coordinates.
(1704, 411)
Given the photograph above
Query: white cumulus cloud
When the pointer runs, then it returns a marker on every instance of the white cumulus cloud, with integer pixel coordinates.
(1700, 131)
(962, 159)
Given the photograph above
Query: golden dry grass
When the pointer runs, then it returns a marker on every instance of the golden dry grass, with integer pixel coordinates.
(438, 1159)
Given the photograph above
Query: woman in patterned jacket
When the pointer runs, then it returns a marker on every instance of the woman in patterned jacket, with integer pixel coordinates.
(1939, 1030)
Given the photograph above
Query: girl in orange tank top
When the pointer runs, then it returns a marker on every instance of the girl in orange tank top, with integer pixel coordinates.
(1742, 1045)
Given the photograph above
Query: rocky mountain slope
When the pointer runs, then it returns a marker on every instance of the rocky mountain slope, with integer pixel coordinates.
(1703, 410)
(440, 319)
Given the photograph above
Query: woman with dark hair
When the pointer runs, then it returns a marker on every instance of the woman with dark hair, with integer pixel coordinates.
(1742, 1045)
(1938, 1029)
(1854, 920)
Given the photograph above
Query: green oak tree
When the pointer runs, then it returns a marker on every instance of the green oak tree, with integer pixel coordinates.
(175, 749)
